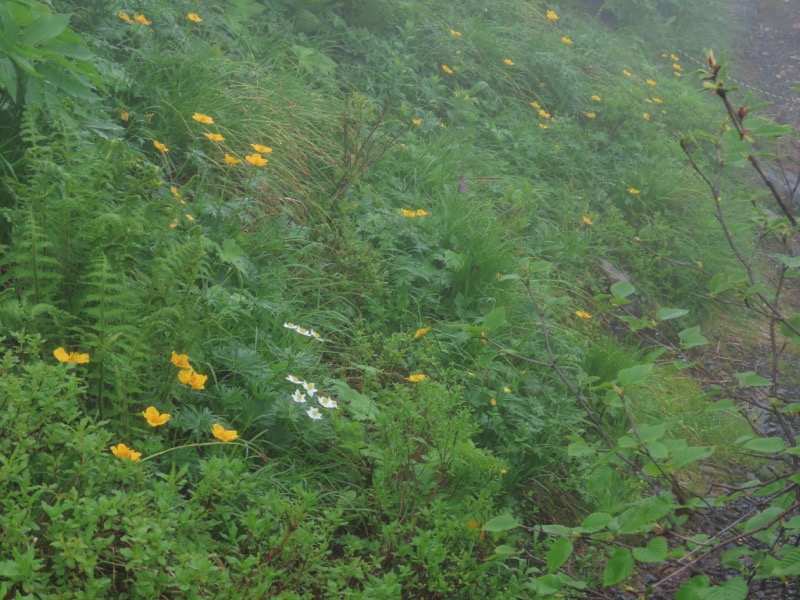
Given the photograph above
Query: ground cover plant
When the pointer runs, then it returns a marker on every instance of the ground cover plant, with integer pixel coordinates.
(376, 300)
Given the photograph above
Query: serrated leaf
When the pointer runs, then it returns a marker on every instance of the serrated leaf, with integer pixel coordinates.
(559, 553)
(655, 551)
(596, 521)
(495, 318)
(634, 375)
(692, 337)
(665, 314)
(694, 589)
(733, 589)
(502, 522)
(789, 566)
(619, 567)
(766, 445)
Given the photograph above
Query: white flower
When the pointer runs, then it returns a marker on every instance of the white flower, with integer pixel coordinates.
(314, 413)
(316, 336)
(310, 388)
(291, 326)
(299, 397)
(294, 379)
(327, 402)
(304, 331)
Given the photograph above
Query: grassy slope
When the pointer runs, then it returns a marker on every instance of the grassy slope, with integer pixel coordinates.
(364, 121)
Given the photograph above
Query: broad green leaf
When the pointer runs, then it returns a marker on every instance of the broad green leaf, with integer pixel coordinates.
(685, 456)
(477, 88)
(43, 29)
(504, 551)
(503, 522)
(596, 521)
(634, 375)
(623, 289)
(8, 78)
(657, 450)
(790, 261)
(752, 379)
(356, 403)
(692, 337)
(730, 558)
(495, 318)
(655, 551)
(642, 517)
(665, 314)
(789, 566)
(733, 589)
(766, 445)
(694, 589)
(559, 553)
(791, 325)
(650, 433)
(760, 127)
(579, 448)
(619, 567)
(546, 585)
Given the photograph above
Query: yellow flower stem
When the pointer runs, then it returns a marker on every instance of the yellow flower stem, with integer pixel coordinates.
(197, 445)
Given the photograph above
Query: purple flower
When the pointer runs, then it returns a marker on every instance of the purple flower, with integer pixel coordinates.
(462, 187)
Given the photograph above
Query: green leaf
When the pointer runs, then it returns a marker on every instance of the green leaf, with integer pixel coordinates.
(691, 337)
(650, 433)
(766, 445)
(760, 127)
(356, 403)
(634, 375)
(230, 252)
(619, 567)
(503, 522)
(752, 379)
(8, 78)
(559, 553)
(665, 314)
(495, 318)
(655, 551)
(477, 88)
(596, 521)
(685, 456)
(579, 448)
(694, 589)
(623, 289)
(789, 566)
(43, 29)
(733, 589)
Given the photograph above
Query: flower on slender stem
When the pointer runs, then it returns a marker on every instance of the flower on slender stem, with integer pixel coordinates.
(416, 377)
(420, 213)
(125, 18)
(299, 397)
(180, 360)
(634, 191)
(536, 105)
(651, 83)
(155, 418)
(646, 116)
(194, 18)
(256, 160)
(122, 451)
(214, 137)
(587, 220)
(455, 33)
(192, 378)
(310, 388)
(190, 218)
(314, 413)
(327, 402)
(508, 62)
(582, 314)
(626, 73)
(420, 332)
(462, 185)
(123, 114)
(201, 118)
(70, 357)
(552, 16)
(567, 41)
(416, 122)
(294, 379)
(222, 434)
(261, 149)
(141, 19)
(596, 98)
(160, 146)
(493, 402)
(590, 115)
(544, 114)
(232, 160)
(447, 69)
(543, 126)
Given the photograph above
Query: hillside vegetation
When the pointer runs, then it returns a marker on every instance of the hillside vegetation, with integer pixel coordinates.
(386, 299)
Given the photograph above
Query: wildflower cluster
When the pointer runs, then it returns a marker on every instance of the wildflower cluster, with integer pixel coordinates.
(187, 374)
(542, 114)
(414, 213)
(311, 391)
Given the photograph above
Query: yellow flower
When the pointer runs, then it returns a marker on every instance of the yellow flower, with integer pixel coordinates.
(408, 213)
(205, 119)
(174, 224)
(190, 218)
(587, 220)
(123, 114)
(552, 16)
(677, 67)
(125, 18)
(673, 57)
(122, 451)
(420, 332)
(503, 471)
(508, 62)
(567, 41)
(590, 115)
(261, 149)
(175, 192)
(535, 105)
(70, 357)
(507, 390)
(597, 98)
(650, 82)
(470, 373)
(447, 69)
(416, 377)
(648, 100)
(141, 19)
(256, 160)
(155, 418)
(416, 122)
(543, 126)
(582, 314)
(544, 114)
(222, 434)
(455, 33)
(493, 402)
(231, 160)
(160, 146)
(646, 116)
(634, 191)
(677, 74)
(420, 213)
(626, 73)
(194, 17)
(214, 137)
(192, 379)
(658, 100)
(180, 360)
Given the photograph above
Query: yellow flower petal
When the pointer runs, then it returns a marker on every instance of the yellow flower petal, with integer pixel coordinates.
(417, 377)
(222, 434)
(214, 137)
(232, 160)
(70, 357)
(154, 418)
(256, 160)
(141, 19)
(194, 17)
(552, 16)
(420, 332)
(582, 314)
(160, 146)
(201, 118)
(261, 149)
